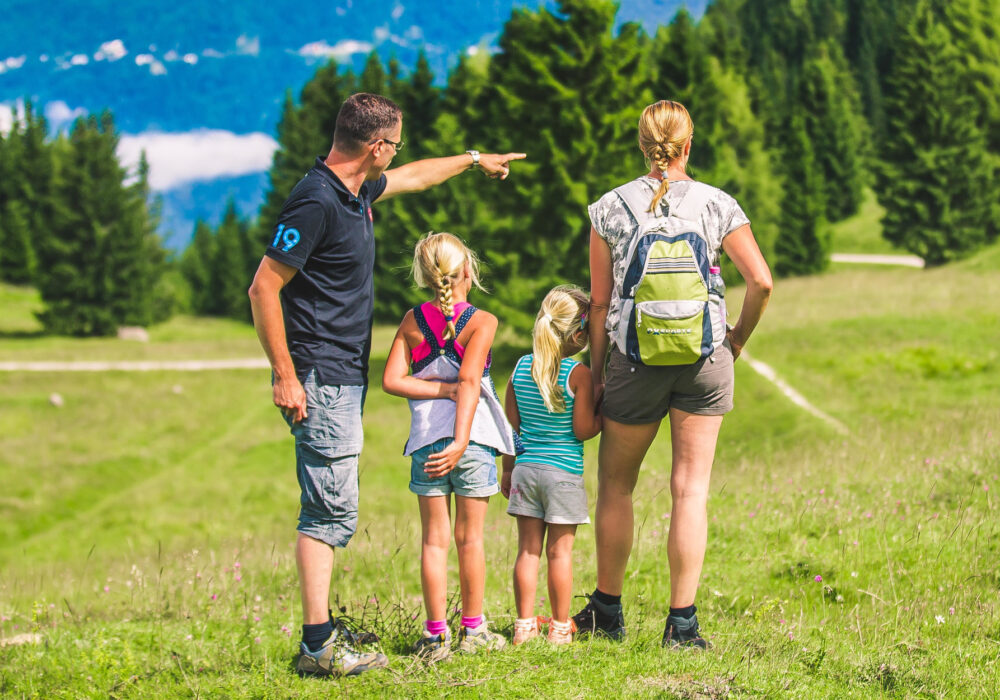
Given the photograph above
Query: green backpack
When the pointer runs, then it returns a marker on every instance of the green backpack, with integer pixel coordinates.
(671, 315)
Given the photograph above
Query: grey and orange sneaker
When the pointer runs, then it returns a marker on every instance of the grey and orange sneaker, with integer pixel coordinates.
(433, 647)
(338, 658)
(472, 640)
(526, 629)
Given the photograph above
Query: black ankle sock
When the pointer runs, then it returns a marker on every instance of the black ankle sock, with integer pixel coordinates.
(313, 636)
(686, 613)
(605, 599)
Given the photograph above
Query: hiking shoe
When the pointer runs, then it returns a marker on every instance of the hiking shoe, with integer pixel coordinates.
(682, 633)
(433, 647)
(560, 632)
(337, 658)
(352, 632)
(598, 618)
(525, 629)
(472, 640)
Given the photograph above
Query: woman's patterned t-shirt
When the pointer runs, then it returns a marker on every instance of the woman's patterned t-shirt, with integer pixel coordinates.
(615, 224)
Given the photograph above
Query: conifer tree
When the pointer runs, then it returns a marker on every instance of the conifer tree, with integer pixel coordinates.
(836, 129)
(802, 246)
(229, 280)
(937, 179)
(26, 171)
(101, 247)
(566, 90)
(196, 265)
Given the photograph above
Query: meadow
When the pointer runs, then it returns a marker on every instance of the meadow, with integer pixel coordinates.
(147, 523)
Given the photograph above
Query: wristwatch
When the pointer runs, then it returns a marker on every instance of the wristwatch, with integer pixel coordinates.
(475, 159)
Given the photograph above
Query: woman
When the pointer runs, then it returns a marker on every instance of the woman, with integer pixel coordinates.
(637, 395)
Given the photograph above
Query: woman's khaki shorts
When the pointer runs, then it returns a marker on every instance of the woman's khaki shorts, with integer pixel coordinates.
(639, 394)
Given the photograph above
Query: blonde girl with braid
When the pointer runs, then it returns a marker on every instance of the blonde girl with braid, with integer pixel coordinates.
(550, 403)
(683, 214)
(440, 361)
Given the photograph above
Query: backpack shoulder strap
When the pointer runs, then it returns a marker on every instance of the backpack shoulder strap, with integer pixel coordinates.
(694, 201)
(464, 319)
(635, 195)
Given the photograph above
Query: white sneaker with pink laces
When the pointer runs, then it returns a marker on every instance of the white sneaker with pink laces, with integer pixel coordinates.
(560, 632)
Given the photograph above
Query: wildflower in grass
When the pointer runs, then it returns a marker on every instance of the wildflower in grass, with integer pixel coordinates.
(189, 637)
(214, 596)
(951, 611)
(939, 619)
(107, 588)
(256, 640)
(818, 579)
(236, 565)
(256, 618)
(238, 578)
(286, 630)
(854, 574)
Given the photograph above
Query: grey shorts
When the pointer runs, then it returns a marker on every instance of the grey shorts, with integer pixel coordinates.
(475, 475)
(327, 445)
(548, 493)
(640, 394)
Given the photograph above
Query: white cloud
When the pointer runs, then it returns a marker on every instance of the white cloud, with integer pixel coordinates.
(247, 45)
(398, 11)
(14, 62)
(204, 154)
(342, 49)
(190, 58)
(381, 33)
(415, 33)
(157, 68)
(111, 51)
(80, 59)
(171, 55)
(212, 53)
(9, 111)
(59, 114)
(144, 59)
(44, 58)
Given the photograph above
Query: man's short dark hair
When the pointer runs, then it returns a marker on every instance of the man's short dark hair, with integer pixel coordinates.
(362, 118)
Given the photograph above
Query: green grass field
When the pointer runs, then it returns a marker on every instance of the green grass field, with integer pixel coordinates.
(146, 526)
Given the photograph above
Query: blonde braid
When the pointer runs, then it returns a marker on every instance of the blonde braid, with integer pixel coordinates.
(664, 129)
(563, 314)
(447, 307)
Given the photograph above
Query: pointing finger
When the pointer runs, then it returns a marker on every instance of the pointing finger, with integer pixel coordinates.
(514, 156)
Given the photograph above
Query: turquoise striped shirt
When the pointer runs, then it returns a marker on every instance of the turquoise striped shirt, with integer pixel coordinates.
(548, 437)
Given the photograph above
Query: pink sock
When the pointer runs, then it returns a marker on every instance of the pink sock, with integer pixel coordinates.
(436, 626)
(472, 622)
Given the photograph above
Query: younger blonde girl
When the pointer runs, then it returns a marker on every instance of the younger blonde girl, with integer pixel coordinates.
(440, 361)
(550, 402)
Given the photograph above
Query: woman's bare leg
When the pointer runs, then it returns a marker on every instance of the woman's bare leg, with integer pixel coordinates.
(693, 440)
(622, 449)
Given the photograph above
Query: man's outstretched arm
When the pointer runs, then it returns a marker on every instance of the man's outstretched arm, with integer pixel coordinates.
(422, 174)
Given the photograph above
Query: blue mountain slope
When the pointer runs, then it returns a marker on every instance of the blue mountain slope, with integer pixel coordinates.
(184, 65)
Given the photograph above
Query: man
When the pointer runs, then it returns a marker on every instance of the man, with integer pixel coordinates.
(312, 301)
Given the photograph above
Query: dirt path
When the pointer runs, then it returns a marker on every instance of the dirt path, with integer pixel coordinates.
(137, 366)
(905, 260)
(795, 397)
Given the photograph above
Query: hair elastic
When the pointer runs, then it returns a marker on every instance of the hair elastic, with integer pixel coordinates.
(547, 317)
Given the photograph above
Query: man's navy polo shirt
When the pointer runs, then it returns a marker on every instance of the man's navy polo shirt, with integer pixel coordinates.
(326, 233)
